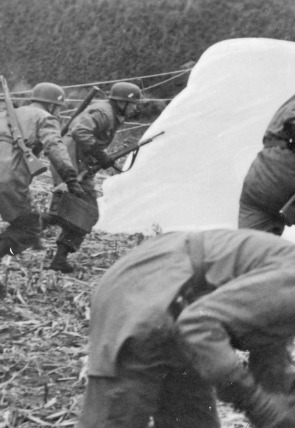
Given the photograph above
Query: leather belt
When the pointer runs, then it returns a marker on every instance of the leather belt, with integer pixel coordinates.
(196, 286)
(185, 297)
(279, 142)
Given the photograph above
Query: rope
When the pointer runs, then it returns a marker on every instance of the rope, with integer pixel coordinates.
(167, 80)
(78, 100)
(136, 123)
(116, 80)
(127, 79)
(133, 127)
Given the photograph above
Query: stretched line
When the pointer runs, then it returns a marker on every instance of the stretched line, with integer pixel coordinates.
(161, 83)
(78, 100)
(132, 127)
(114, 81)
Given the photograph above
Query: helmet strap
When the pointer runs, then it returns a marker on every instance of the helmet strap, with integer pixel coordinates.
(51, 108)
(122, 110)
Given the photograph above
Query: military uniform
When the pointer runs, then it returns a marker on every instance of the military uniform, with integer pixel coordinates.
(89, 135)
(270, 181)
(166, 320)
(41, 131)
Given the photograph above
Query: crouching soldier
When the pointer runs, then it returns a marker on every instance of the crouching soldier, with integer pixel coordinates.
(89, 135)
(40, 129)
(167, 318)
(270, 180)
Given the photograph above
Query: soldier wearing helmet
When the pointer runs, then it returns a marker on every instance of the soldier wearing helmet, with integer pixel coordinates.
(48, 93)
(41, 132)
(124, 91)
(89, 135)
(270, 180)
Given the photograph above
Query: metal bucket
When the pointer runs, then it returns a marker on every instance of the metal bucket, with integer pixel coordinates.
(73, 211)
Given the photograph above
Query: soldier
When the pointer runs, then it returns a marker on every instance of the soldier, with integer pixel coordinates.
(270, 181)
(166, 320)
(41, 132)
(88, 137)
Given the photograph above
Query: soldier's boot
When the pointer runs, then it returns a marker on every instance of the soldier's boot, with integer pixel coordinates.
(264, 410)
(47, 220)
(60, 262)
(38, 245)
(5, 246)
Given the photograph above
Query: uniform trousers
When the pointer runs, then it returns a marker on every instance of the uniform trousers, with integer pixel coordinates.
(23, 232)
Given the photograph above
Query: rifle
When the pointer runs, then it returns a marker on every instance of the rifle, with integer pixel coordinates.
(82, 107)
(35, 166)
(288, 211)
(133, 148)
(119, 154)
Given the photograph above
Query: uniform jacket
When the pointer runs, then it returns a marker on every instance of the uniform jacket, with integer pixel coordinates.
(91, 133)
(133, 299)
(282, 125)
(270, 181)
(41, 131)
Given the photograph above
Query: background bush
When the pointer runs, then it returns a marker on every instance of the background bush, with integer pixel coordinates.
(81, 41)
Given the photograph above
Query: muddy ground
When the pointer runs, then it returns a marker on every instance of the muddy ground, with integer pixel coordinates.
(44, 319)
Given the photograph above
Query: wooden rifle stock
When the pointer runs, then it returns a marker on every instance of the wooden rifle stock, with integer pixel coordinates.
(35, 166)
(95, 90)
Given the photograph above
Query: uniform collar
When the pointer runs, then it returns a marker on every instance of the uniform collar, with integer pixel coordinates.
(118, 117)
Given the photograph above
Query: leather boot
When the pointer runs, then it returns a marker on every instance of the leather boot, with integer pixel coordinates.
(59, 262)
(264, 410)
(5, 246)
(38, 246)
(47, 220)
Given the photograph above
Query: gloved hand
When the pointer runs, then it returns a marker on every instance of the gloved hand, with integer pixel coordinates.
(263, 409)
(67, 174)
(75, 188)
(102, 158)
(274, 411)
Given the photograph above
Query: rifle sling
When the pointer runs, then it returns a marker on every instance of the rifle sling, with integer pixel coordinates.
(6, 139)
(134, 155)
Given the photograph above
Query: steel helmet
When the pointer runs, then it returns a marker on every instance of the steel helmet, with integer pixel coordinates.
(46, 92)
(125, 91)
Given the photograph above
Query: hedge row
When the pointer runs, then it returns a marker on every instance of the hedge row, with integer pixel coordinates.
(78, 41)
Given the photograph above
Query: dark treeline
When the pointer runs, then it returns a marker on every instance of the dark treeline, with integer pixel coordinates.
(79, 41)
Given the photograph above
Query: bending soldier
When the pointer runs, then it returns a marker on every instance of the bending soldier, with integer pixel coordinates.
(41, 132)
(270, 181)
(88, 137)
(166, 320)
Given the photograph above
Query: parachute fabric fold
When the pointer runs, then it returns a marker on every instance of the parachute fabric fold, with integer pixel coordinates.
(191, 177)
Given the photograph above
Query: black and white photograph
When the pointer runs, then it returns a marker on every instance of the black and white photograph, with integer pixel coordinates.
(147, 212)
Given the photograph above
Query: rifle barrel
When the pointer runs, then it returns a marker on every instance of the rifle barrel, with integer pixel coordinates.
(123, 152)
(81, 107)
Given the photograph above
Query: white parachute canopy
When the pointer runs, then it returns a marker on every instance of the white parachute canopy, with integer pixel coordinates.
(191, 177)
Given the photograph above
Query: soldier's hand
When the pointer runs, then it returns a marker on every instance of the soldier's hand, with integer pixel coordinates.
(75, 188)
